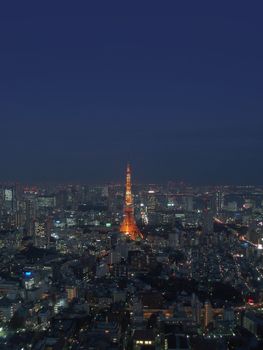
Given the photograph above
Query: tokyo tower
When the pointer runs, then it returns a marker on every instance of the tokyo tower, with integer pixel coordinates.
(128, 225)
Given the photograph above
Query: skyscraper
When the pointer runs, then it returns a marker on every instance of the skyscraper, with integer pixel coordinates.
(207, 221)
(128, 225)
(208, 317)
(30, 216)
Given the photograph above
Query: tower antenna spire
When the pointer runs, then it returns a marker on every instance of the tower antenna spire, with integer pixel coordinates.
(128, 225)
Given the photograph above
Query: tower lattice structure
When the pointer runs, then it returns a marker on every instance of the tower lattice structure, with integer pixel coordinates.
(128, 225)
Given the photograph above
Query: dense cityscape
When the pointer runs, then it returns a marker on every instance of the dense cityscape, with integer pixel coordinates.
(131, 192)
(184, 273)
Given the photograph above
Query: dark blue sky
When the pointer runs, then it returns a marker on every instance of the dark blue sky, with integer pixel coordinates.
(174, 87)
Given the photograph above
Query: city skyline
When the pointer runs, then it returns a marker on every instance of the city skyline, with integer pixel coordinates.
(131, 192)
(86, 89)
(92, 267)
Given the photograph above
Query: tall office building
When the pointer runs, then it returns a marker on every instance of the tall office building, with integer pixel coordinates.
(207, 221)
(30, 217)
(196, 309)
(219, 198)
(208, 317)
(9, 198)
(42, 232)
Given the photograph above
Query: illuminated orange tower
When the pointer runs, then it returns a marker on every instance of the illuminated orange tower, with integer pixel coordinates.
(128, 225)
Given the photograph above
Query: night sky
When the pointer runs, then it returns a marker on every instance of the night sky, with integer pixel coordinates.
(176, 88)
